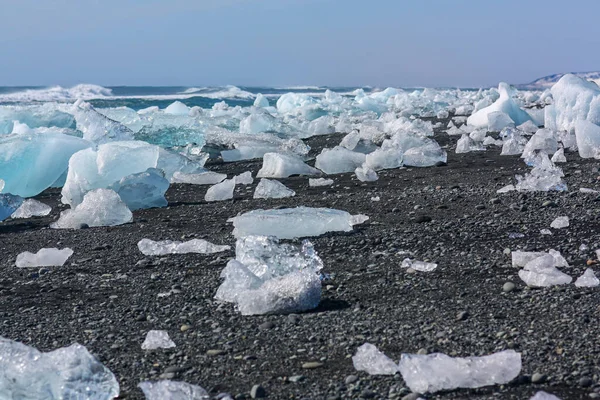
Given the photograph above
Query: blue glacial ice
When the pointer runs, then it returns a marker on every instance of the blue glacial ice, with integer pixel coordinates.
(142, 190)
(505, 104)
(9, 203)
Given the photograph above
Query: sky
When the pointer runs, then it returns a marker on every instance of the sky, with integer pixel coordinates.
(401, 43)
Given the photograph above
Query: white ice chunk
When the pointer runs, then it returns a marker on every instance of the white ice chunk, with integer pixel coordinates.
(521, 258)
(277, 165)
(100, 207)
(418, 265)
(499, 120)
(369, 359)
(66, 373)
(425, 156)
(204, 178)
(350, 141)
(271, 189)
(157, 340)
(505, 104)
(177, 108)
(587, 136)
(9, 204)
(575, 99)
(220, 191)
(32, 208)
(559, 156)
(560, 222)
(151, 248)
(339, 160)
(244, 178)
(541, 395)
(543, 140)
(172, 390)
(51, 257)
(435, 372)
(289, 223)
(143, 190)
(528, 126)
(384, 159)
(541, 272)
(261, 101)
(96, 127)
(545, 231)
(315, 182)
(366, 174)
(588, 279)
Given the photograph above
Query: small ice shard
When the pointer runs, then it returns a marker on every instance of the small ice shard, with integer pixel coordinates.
(220, 191)
(560, 222)
(588, 279)
(9, 203)
(289, 223)
(276, 165)
(32, 208)
(559, 260)
(546, 232)
(559, 156)
(375, 198)
(66, 373)
(545, 176)
(177, 108)
(203, 178)
(271, 278)
(541, 272)
(100, 207)
(151, 248)
(435, 372)
(339, 160)
(244, 178)
(506, 189)
(315, 182)
(588, 190)
(541, 395)
(51, 257)
(418, 265)
(369, 359)
(463, 145)
(172, 390)
(143, 190)
(366, 174)
(157, 340)
(2, 183)
(350, 141)
(271, 189)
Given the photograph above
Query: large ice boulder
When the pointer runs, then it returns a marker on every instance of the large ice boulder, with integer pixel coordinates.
(31, 163)
(339, 160)
(277, 165)
(588, 139)
(505, 104)
(143, 190)
(575, 99)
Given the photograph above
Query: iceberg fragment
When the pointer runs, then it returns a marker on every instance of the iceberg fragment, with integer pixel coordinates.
(143, 190)
(559, 156)
(204, 178)
(541, 395)
(588, 279)
(365, 174)
(425, 156)
(151, 248)
(32, 208)
(244, 178)
(157, 340)
(271, 189)
(339, 160)
(418, 265)
(369, 359)
(435, 372)
(9, 203)
(172, 390)
(560, 222)
(51, 257)
(96, 127)
(575, 99)
(177, 108)
(316, 182)
(499, 120)
(541, 272)
(505, 104)
(587, 136)
(277, 165)
(220, 191)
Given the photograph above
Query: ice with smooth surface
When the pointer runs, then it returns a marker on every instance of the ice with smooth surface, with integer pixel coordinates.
(100, 207)
(575, 99)
(505, 104)
(277, 165)
(388, 158)
(587, 136)
(541, 395)
(220, 191)
(48, 257)
(541, 272)
(369, 359)
(158, 248)
(203, 178)
(32, 208)
(425, 156)
(177, 108)
(66, 373)
(9, 203)
(588, 279)
(244, 178)
(172, 390)
(339, 160)
(498, 120)
(559, 156)
(434, 372)
(289, 223)
(271, 278)
(98, 128)
(157, 340)
(366, 174)
(143, 190)
(543, 140)
(271, 189)
(418, 265)
(560, 222)
(316, 182)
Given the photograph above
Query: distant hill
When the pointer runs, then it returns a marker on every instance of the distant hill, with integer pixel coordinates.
(547, 81)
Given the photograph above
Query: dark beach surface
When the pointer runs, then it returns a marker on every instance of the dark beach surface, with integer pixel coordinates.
(106, 296)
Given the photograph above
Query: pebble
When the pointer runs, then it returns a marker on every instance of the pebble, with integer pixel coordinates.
(585, 382)
(495, 201)
(367, 394)
(351, 379)
(423, 218)
(549, 203)
(508, 287)
(266, 326)
(312, 365)
(185, 328)
(296, 378)
(538, 378)
(258, 392)
(463, 315)
(215, 352)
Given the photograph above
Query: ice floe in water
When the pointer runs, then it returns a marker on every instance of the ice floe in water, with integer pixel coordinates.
(157, 340)
(100, 207)
(220, 191)
(151, 248)
(271, 278)
(434, 372)
(32, 208)
(277, 165)
(588, 279)
(9, 203)
(369, 359)
(418, 265)
(172, 390)
(289, 223)
(66, 373)
(560, 222)
(51, 257)
(271, 189)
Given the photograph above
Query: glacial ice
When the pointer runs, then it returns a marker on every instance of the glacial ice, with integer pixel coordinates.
(435, 372)
(9, 204)
(575, 99)
(177, 108)
(31, 163)
(560, 222)
(315, 182)
(51, 257)
(220, 191)
(505, 104)
(96, 127)
(541, 272)
(587, 136)
(204, 178)
(425, 156)
(66, 373)
(271, 189)
(339, 160)
(289, 223)
(499, 120)
(31, 208)
(388, 158)
(172, 390)
(143, 190)
(545, 176)
(157, 340)
(369, 359)
(588, 279)
(418, 265)
(366, 174)
(271, 278)
(244, 178)
(521, 258)
(100, 207)
(559, 156)
(528, 127)
(158, 248)
(261, 101)
(541, 395)
(277, 165)
(543, 140)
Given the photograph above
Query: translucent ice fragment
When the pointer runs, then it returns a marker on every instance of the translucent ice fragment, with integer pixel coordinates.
(541, 395)
(315, 182)
(244, 178)
(277, 165)
(588, 279)
(32, 208)
(271, 189)
(369, 359)
(50, 257)
(204, 178)
(143, 190)
(171, 390)
(560, 222)
(157, 340)
(9, 204)
(366, 174)
(418, 265)
(151, 248)
(541, 272)
(339, 160)
(220, 191)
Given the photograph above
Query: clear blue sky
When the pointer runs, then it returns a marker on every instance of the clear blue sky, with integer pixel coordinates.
(295, 42)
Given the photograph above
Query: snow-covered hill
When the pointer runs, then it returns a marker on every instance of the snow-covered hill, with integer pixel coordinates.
(548, 81)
